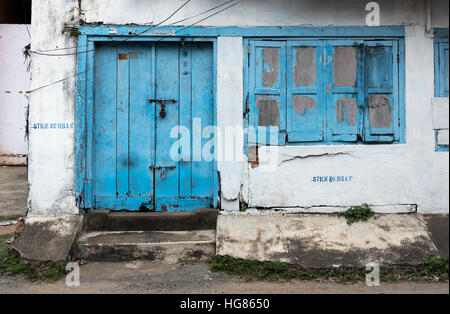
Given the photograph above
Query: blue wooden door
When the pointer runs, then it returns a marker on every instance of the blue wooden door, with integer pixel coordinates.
(143, 102)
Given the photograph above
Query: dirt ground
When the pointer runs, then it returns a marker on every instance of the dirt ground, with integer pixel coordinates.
(7, 230)
(13, 192)
(151, 278)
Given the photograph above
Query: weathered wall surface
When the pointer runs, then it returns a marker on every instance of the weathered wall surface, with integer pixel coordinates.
(265, 12)
(51, 158)
(384, 175)
(14, 82)
(324, 241)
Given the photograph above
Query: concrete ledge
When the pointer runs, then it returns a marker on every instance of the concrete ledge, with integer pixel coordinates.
(101, 220)
(316, 241)
(379, 209)
(13, 160)
(168, 247)
(438, 228)
(48, 239)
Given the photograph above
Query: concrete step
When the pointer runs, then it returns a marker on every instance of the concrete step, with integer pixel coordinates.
(161, 246)
(202, 219)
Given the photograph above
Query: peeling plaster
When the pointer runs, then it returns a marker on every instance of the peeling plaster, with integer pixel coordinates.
(347, 106)
(305, 71)
(303, 103)
(269, 111)
(380, 111)
(345, 66)
(272, 59)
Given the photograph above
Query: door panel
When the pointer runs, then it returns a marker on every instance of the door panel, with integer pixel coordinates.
(202, 79)
(345, 89)
(140, 99)
(305, 110)
(142, 122)
(168, 83)
(123, 115)
(186, 184)
(104, 134)
(267, 84)
(381, 68)
(123, 128)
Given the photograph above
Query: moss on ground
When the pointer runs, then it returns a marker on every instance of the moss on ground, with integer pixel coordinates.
(12, 265)
(432, 269)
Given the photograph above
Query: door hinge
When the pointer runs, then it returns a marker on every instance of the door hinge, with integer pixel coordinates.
(246, 107)
(247, 49)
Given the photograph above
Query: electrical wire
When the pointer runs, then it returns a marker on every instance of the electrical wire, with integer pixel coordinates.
(126, 39)
(155, 27)
(99, 65)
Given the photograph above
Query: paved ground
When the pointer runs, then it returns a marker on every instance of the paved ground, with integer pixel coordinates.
(147, 277)
(13, 192)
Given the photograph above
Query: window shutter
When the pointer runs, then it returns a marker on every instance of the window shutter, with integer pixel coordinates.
(305, 108)
(345, 89)
(381, 80)
(443, 70)
(267, 94)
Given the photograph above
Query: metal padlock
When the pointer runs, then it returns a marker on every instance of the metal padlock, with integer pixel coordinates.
(162, 112)
(163, 174)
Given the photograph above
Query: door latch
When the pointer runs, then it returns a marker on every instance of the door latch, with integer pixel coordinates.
(162, 102)
(158, 167)
(163, 168)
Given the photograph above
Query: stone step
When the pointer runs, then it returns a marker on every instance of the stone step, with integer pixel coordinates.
(161, 246)
(101, 220)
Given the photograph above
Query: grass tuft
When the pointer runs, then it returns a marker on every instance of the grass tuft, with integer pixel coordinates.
(357, 213)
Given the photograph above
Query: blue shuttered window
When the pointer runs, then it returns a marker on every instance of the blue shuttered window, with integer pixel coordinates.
(326, 91)
(442, 69)
(441, 63)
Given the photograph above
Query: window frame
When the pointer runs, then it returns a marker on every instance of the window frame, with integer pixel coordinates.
(400, 136)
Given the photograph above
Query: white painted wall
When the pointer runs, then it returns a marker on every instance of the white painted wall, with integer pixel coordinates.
(51, 157)
(384, 175)
(230, 62)
(264, 12)
(14, 82)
